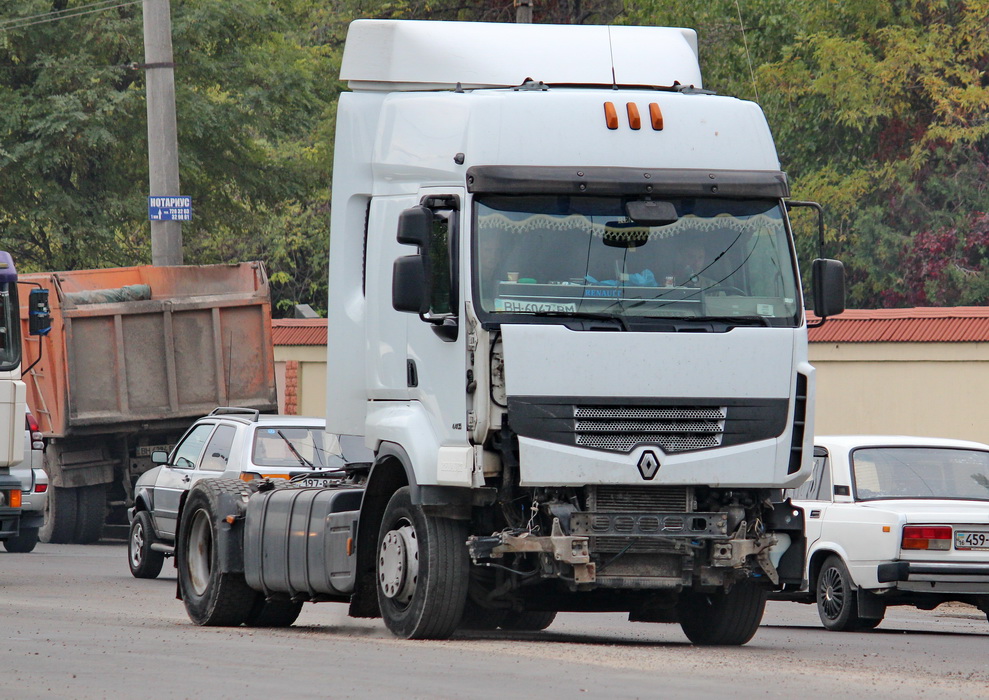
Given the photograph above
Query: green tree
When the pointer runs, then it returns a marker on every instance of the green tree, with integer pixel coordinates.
(252, 92)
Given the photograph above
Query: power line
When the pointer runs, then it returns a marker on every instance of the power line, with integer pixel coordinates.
(21, 22)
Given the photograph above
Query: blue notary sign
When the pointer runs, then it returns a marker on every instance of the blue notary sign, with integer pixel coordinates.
(170, 208)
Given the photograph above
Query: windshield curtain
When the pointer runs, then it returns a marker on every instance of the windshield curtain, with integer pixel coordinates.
(10, 337)
(560, 254)
(289, 447)
(920, 472)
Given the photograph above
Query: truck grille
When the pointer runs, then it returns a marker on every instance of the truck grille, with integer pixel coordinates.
(638, 499)
(675, 428)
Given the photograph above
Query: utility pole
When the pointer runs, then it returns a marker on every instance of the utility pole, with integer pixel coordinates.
(523, 11)
(163, 146)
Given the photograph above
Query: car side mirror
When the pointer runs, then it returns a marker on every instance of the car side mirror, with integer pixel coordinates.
(828, 287)
(159, 457)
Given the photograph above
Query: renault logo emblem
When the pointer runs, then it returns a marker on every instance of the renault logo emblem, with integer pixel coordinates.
(648, 464)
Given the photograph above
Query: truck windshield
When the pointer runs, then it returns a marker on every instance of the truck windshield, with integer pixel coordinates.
(555, 256)
(10, 343)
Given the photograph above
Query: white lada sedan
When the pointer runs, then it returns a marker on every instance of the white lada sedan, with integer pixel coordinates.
(893, 520)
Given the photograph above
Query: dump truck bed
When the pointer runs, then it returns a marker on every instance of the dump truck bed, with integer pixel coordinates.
(133, 347)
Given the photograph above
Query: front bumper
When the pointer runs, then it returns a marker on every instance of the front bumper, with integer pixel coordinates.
(936, 577)
(9, 522)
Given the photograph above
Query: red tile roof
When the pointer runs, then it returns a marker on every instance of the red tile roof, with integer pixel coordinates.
(955, 324)
(299, 331)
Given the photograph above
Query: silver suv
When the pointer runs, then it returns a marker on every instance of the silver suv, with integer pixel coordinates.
(34, 488)
(229, 442)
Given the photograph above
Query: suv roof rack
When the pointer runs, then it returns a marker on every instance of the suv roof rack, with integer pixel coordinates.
(236, 410)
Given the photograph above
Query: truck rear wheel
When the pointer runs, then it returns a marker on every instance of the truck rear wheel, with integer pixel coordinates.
(724, 619)
(90, 514)
(212, 598)
(421, 570)
(60, 516)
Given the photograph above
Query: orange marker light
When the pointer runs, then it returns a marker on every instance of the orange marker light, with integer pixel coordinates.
(655, 116)
(15, 498)
(610, 115)
(634, 121)
(886, 528)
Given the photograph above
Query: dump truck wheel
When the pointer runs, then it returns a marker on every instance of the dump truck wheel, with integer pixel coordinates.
(726, 619)
(24, 542)
(60, 516)
(211, 598)
(421, 571)
(91, 513)
(273, 613)
(144, 562)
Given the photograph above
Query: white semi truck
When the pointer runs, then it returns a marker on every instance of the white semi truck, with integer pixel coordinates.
(566, 315)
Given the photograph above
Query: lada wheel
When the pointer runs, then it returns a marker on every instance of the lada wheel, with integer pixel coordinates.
(528, 621)
(837, 599)
(421, 570)
(726, 619)
(211, 597)
(273, 613)
(144, 562)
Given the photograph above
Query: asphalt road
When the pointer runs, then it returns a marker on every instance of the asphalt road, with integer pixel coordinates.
(75, 624)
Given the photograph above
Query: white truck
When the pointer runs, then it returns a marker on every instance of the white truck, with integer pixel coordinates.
(565, 314)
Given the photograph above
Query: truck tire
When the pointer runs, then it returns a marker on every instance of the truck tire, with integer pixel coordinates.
(421, 570)
(273, 613)
(723, 619)
(837, 599)
(144, 562)
(60, 516)
(91, 513)
(528, 621)
(24, 542)
(211, 598)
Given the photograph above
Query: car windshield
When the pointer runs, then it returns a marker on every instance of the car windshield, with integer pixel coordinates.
(920, 472)
(289, 447)
(702, 258)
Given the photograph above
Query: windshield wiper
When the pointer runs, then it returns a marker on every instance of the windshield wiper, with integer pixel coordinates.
(584, 315)
(298, 456)
(731, 320)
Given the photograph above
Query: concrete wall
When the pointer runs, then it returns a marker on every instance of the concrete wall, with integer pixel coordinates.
(300, 375)
(925, 389)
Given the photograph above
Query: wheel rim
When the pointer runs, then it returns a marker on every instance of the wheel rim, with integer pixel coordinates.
(137, 545)
(398, 563)
(199, 554)
(832, 593)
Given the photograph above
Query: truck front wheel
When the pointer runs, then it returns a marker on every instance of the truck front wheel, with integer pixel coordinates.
(60, 516)
(421, 570)
(725, 619)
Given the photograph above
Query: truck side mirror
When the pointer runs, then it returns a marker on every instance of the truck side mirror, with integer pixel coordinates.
(415, 226)
(829, 287)
(409, 291)
(39, 313)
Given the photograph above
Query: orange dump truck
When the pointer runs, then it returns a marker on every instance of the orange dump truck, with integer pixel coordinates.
(133, 356)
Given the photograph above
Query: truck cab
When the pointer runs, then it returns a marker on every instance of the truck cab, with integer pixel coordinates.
(567, 317)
